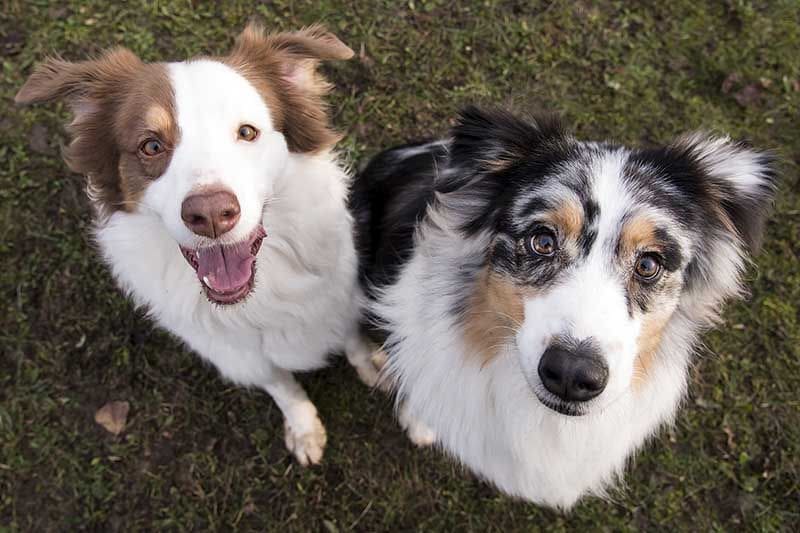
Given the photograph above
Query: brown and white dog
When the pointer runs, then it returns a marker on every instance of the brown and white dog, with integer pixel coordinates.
(220, 206)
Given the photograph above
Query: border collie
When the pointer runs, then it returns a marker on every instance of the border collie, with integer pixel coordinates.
(542, 295)
(220, 206)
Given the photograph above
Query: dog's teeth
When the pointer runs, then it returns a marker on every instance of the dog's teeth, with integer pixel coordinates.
(206, 282)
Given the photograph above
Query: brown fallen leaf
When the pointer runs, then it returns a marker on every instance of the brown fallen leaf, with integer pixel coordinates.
(112, 416)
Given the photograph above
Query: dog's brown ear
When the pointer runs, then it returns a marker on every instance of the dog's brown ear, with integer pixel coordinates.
(299, 51)
(284, 67)
(51, 80)
(80, 84)
(311, 42)
(92, 90)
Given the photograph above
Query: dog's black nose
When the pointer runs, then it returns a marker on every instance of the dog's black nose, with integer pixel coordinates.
(574, 374)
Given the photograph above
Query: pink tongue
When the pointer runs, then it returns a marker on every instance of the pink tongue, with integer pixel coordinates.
(225, 269)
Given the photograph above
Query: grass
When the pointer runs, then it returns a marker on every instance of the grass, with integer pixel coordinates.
(200, 454)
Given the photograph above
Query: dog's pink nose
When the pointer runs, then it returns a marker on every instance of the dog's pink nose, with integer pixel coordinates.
(210, 213)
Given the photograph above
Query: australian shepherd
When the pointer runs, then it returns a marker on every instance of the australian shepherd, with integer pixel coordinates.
(220, 206)
(541, 296)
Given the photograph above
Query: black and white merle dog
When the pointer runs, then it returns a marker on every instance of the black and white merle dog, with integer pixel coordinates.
(542, 295)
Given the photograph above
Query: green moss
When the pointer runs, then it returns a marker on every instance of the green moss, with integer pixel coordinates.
(200, 454)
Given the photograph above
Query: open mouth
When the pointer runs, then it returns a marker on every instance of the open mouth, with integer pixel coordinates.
(226, 272)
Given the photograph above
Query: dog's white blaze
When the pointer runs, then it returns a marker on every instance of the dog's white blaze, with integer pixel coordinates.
(610, 193)
(589, 305)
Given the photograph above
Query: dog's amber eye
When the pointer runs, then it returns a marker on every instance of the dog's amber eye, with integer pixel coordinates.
(544, 243)
(648, 267)
(247, 133)
(151, 147)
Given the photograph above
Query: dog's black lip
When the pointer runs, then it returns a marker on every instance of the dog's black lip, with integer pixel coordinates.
(561, 408)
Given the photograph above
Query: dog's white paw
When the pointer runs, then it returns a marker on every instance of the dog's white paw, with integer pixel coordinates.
(379, 358)
(307, 444)
(418, 432)
(371, 373)
(368, 362)
(368, 374)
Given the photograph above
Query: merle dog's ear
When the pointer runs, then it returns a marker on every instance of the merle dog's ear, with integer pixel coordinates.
(487, 145)
(494, 139)
(734, 186)
(740, 182)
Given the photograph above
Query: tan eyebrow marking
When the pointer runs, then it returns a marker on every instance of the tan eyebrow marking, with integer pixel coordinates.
(158, 119)
(637, 233)
(568, 216)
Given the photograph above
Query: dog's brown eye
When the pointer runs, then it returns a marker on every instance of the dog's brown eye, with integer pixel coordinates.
(151, 147)
(544, 243)
(247, 133)
(648, 267)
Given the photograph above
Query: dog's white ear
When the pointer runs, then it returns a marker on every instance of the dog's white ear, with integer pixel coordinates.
(739, 179)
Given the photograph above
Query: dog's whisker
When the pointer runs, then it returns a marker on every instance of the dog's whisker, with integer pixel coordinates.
(136, 203)
(505, 316)
(501, 327)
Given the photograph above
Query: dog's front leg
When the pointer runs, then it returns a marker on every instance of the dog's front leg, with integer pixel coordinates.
(369, 361)
(303, 431)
